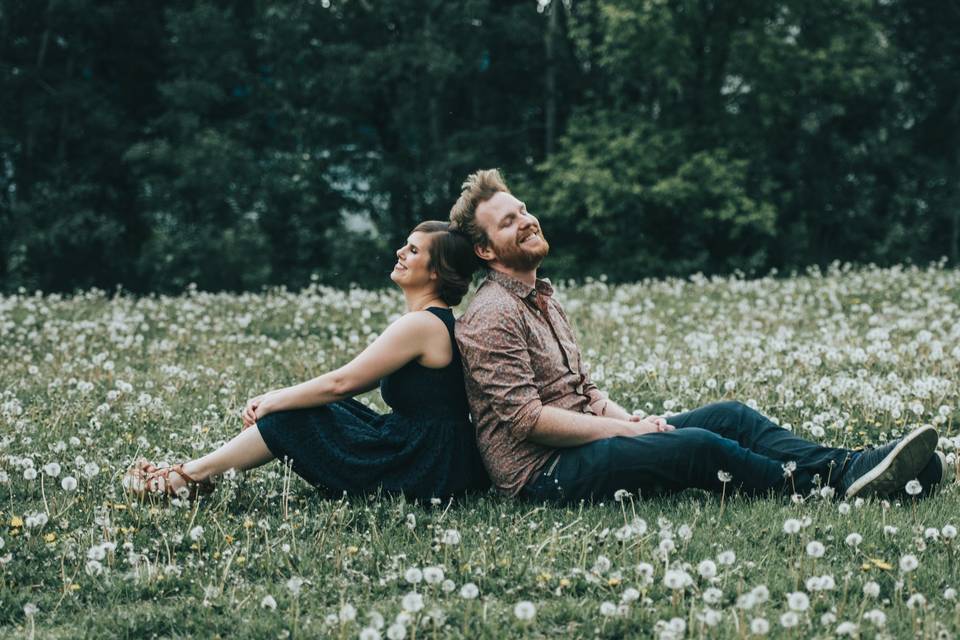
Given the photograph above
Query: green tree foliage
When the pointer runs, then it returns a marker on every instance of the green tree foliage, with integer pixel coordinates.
(239, 144)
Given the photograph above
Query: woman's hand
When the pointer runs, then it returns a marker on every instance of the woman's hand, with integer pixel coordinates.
(249, 413)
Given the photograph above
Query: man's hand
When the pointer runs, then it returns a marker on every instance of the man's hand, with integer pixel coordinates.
(650, 424)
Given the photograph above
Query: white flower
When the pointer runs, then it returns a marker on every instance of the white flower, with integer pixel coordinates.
(96, 552)
(196, 533)
(791, 526)
(843, 508)
(724, 476)
(707, 569)
(875, 616)
(396, 631)
(712, 595)
(914, 487)
(608, 609)
(524, 610)
(916, 601)
(376, 619)
(798, 601)
(602, 564)
(759, 626)
(52, 469)
(854, 539)
(847, 629)
(451, 537)
(815, 549)
(620, 494)
(413, 575)
(411, 524)
(433, 575)
(889, 530)
(93, 568)
(412, 602)
(630, 595)
(676, 579)
(469, 591)
(726, 557)
(294, 584)
(68, 484)
(826, 492)
(268, 602)
(90, 469)
(710, 617)
(348, 613)
(948, 531)
(369, 633)
(448, 586)
(29, 473)
(30, 609)
(908, 563)
(789, 619)
(871, 589)
(789, 468)
(949, 593)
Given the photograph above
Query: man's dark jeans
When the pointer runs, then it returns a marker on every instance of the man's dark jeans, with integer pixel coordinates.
(726, 436)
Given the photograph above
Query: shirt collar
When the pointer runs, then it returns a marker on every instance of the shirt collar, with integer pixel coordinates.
(517, 288)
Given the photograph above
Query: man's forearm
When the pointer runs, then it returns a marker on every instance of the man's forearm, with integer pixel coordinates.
(561, 428)
(613, 410)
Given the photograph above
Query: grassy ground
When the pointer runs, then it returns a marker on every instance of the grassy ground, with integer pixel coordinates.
(89, 382)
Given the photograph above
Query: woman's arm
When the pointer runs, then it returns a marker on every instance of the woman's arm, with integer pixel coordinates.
(403, 341)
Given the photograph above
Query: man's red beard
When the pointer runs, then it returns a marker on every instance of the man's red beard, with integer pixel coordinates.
(518, 258)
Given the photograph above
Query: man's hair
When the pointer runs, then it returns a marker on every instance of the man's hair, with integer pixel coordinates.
(452, 256)
(476, 189)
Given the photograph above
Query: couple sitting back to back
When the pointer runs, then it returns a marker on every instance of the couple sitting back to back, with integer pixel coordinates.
(541, 430)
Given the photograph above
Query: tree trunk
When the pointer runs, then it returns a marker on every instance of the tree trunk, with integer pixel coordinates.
(550, 109)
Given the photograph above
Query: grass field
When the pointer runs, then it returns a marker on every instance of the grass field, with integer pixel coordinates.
(90, 382)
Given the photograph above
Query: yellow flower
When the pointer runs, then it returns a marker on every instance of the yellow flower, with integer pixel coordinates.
(16, 521)
(613, 582)
(544, 577)
(352, 550)
(228, 538)
(50, 537)
(119, 506)
(877, 562)
(564, 582)
(247, 523)
(241, 559)
(73, 586)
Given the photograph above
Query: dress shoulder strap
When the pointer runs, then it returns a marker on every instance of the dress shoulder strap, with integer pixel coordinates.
(447, 316)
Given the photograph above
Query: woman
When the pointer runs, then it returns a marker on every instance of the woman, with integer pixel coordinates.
(425, 448)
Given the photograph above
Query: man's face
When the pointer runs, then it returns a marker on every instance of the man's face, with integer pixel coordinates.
(516, 240)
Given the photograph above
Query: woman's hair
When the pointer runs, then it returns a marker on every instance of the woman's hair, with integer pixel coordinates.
(452, 257)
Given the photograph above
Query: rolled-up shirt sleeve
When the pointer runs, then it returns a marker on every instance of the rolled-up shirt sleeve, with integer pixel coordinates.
(598, 399)
(493, 346)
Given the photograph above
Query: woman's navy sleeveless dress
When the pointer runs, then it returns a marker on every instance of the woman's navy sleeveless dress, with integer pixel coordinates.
(426, 448)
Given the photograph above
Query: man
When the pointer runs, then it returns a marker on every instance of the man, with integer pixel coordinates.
(548, 434)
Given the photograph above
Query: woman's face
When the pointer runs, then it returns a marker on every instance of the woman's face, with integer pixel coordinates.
(413, 260)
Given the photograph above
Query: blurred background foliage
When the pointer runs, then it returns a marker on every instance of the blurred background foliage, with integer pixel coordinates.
(239, 144)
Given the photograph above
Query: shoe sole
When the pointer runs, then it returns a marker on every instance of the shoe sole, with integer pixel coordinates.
(900, 465)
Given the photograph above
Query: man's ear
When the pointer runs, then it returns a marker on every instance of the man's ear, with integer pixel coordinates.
(484, 253)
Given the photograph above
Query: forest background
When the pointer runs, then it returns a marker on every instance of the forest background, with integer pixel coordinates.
(240, 144)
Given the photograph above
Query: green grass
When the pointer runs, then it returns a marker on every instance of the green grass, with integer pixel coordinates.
(849, 357)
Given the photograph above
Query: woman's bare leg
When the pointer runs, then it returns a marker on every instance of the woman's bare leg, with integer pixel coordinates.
(245, 451)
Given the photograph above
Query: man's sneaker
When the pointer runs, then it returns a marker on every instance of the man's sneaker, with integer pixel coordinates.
(931, 477)
(886, 469)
